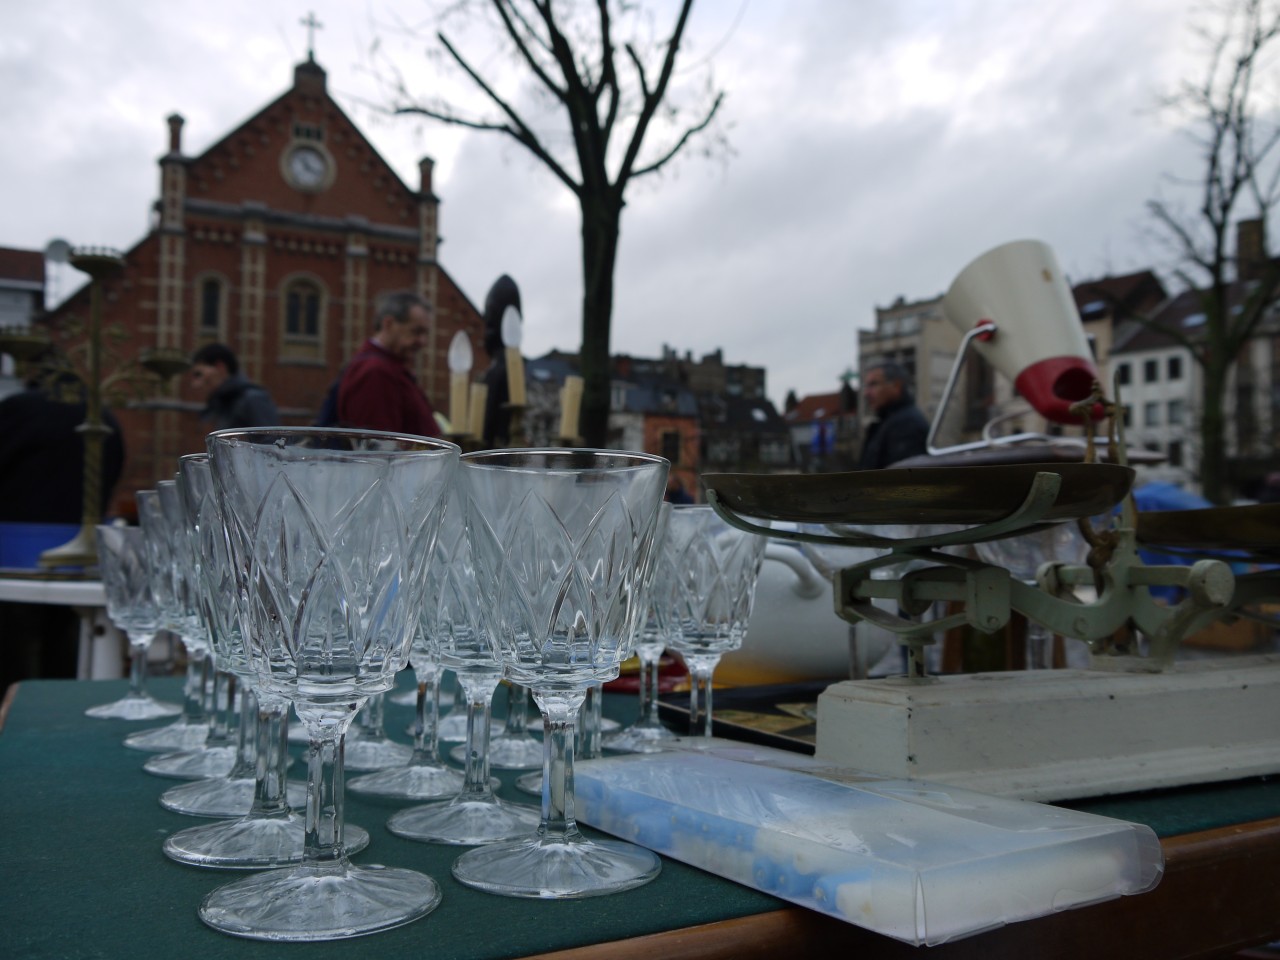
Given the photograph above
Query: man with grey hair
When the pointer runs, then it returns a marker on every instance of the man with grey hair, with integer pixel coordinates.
(900, 429)
(377, 391)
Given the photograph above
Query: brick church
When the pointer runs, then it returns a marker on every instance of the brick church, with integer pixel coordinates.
(276, 241)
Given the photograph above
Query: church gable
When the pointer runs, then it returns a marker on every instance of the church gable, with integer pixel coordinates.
(302, 155)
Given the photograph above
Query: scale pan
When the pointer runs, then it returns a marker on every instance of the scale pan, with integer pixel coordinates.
(965, 495)
(1253, 530)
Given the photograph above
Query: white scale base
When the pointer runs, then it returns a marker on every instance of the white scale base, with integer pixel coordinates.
(1059, 734)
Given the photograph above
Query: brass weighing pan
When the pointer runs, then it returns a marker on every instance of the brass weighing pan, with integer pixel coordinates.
(1253, 530)
(916, 495)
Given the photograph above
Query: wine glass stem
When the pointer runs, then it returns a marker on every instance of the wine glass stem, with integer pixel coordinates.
(648, 690)
(245, 765)
(479, 690)
(559, 715)
(701, 668)
(426, 724)
(224, 698)
(591, 722)
(272, 758)
(517, 709)
(193, 689)
(322, 840)
(369, 720)
(138, 645)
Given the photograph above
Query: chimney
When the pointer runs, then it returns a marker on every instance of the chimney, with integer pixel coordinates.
(425, 166)
(1251, 249)
(175, 133)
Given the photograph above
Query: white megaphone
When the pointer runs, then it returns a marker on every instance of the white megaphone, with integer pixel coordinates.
(1015, 305)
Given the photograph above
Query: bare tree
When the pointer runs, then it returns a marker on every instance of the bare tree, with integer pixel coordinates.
(1234, 123)
(610, 96)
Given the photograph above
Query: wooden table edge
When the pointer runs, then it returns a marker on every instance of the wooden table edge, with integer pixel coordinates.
(1227, 866)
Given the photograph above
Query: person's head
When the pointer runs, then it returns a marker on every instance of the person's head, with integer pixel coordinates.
(212, 364)
(401, 323)
(883, 384)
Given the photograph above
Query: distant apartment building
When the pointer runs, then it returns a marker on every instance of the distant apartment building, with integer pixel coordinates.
(22, 279)
(1161, 389)
(825, 431)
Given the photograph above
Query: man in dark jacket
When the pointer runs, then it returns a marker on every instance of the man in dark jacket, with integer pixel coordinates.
(900, 429)
(230, 399)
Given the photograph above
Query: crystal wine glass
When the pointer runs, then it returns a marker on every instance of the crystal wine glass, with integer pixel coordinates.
(514, 748)
(559, 540)
(215, 756)
(368, 746)
(270, 833)
(1022, 556)
(191, 729)
(451, 614)
(710, 587)
(331, 532)
(647, 734)
(131, 606)
(424, 777)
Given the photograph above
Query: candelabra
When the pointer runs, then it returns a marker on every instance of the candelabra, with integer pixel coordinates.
(151, 365)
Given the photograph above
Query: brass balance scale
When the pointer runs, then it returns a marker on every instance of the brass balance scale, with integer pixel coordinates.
(1048, 734)
(1135, 719)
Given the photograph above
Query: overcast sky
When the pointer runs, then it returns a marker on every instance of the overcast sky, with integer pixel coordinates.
(876, 147)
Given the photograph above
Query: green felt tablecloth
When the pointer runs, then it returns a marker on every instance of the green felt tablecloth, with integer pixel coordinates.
(82, 874)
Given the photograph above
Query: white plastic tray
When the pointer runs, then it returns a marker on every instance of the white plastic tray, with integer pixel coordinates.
(916, 861)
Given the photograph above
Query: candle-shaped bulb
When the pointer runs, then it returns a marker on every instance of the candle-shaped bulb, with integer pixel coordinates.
(460, 358)
(511, 334)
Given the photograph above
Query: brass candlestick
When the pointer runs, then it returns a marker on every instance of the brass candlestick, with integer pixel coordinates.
(100, 264)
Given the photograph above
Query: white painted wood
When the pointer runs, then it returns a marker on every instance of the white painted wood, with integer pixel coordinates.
(1058, 734)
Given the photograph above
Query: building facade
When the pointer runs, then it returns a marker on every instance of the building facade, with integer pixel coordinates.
(276, 240)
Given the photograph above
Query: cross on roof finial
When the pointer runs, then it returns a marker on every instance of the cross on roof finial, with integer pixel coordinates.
(312, 25)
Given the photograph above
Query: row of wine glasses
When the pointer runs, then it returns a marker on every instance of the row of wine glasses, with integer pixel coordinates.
(327, 561)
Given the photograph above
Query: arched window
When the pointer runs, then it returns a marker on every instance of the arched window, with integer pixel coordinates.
(302, 320)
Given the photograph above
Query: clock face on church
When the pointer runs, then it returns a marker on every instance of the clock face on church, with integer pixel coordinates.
(307, 167)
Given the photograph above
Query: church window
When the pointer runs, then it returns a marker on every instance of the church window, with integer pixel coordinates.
(302, 320)
(211, 308)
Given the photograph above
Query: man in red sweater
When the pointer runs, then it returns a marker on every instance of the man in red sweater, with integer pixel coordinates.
(377, 391)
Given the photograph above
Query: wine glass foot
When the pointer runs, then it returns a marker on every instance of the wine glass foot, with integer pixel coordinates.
(251, 843)
(530, 783)
(311, 903)
(641, 739)
(409, 698)
(557, 869)
(173, 738)
(454, 727)
(193, 765)
(466, 822)
(514, 752)
(375, 753)
(609, 725)
(225, 799)
(134, 708)
(419, 781)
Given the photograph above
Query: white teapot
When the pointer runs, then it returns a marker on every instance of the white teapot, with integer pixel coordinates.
(794, 633)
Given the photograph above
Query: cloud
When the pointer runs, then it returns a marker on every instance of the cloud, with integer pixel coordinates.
(877, 147)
